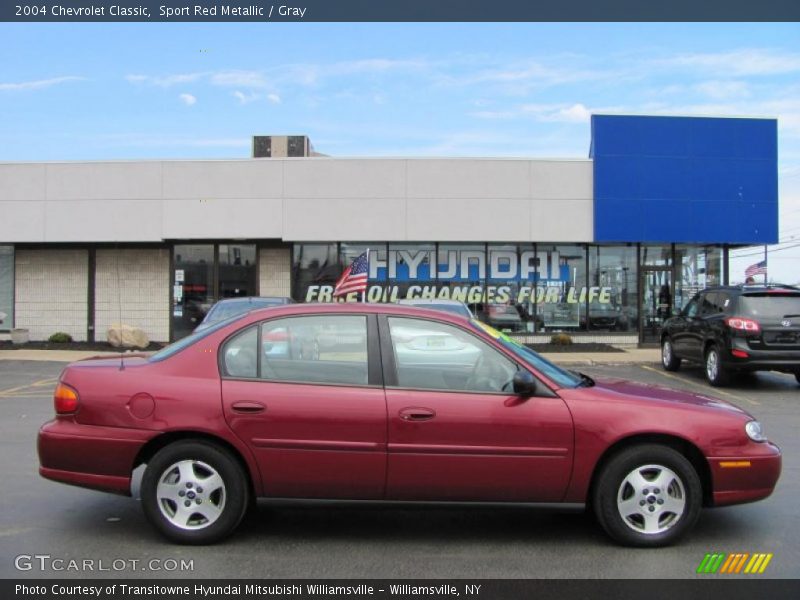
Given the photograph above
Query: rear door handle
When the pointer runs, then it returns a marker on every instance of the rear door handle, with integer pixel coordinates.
(416, 413)
(248, 407)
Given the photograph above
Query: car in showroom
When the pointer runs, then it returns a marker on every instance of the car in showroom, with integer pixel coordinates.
(732, 329)
(217, 420)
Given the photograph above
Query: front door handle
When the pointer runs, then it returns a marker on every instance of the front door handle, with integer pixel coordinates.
(416, 413)
(248, 407)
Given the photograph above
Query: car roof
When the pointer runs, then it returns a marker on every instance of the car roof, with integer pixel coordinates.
(251, 299)
(349, 308)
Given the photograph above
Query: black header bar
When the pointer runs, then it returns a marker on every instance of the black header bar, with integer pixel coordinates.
(398, 10)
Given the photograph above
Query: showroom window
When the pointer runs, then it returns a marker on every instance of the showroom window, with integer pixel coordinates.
(6, 288)
(698, 267)
(411, 271)
(561, 292)
(329, 349)
(314, 266)
(612, 294)
(511, 288)
(462, 269)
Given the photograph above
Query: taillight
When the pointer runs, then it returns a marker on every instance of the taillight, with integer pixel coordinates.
(65, 399)
(742, 324)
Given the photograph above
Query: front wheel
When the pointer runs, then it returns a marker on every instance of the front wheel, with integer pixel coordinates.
(194, 492)
(647, 496)
(716, 374)
(668, 358)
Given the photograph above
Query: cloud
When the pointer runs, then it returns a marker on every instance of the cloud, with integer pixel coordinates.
(244, 98)
(549, 113)
(249, 79)
(274, 98)
(164, 80)
(188, 99)
(722, 90)
(737, 63)
(38, 84)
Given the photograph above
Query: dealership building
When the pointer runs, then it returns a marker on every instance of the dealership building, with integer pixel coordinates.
(603, 247)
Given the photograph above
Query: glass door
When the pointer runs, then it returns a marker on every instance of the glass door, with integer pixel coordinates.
(193, 291)
(656, 303)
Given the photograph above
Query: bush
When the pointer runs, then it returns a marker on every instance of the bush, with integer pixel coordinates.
(60, 338)
(561, 339)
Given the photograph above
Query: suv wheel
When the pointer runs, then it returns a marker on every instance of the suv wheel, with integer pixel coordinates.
(647, 496)
(194, 492)
(716, 374)
(668, 358)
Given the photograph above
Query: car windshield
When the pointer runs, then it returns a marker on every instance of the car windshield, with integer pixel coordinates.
(176, 347)
(226, 310)
(771, 305)
(556, 374)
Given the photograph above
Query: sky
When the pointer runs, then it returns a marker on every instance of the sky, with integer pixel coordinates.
(181, 90)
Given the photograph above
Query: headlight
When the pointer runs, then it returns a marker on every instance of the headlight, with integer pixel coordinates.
(755, 432)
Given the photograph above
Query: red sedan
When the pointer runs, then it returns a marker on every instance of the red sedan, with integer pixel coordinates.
(382, 402)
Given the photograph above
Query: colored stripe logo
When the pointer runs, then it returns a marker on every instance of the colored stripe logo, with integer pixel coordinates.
(736, 563)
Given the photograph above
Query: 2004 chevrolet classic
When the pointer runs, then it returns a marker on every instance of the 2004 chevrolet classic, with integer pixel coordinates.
(382, 402)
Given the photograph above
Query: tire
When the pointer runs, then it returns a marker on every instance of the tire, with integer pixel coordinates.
(716, 374)
(176, 476)
(663, 515)
(669, 361)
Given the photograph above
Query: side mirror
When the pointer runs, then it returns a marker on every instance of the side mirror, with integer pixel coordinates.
(524, 384)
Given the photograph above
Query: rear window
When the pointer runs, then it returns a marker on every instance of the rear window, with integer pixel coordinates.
(770, 305)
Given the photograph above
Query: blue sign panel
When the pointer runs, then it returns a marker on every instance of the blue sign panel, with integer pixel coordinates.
(685, 179)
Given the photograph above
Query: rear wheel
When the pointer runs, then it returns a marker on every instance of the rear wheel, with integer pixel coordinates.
(647, 496)
(194, 492)
(668, 358)
(716, 374)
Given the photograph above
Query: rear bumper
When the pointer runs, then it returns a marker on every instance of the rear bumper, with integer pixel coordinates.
(99, 458)
(762, 360)
(741, 479)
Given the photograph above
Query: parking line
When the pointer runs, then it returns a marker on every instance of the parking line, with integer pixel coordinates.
(702, 387)
(40, 383)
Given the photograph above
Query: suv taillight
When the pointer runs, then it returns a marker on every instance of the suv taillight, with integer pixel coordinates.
(65, 399)
(742, 324)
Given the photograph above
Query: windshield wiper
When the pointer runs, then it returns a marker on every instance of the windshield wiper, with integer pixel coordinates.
(586, 381)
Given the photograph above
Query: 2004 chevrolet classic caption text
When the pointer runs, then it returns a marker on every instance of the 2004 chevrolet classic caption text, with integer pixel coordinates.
(199, 590)
(164, 12)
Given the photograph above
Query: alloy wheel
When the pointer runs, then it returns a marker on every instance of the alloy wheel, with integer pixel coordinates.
(191, 494)
(651, 499)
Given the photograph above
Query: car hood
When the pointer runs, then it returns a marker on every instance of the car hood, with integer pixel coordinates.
(622, 389)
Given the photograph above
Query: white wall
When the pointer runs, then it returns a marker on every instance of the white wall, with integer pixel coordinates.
(51, 290)
(132, 287)
(298, 199)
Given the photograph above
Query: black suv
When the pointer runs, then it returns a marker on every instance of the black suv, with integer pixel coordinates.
(736, 328)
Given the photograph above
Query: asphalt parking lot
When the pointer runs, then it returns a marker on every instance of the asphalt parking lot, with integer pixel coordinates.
(338, 540)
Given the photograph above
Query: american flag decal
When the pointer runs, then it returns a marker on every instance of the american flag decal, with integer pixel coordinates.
(354, 278)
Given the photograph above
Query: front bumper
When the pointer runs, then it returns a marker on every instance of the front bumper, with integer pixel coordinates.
(745, 478)
(99, 458)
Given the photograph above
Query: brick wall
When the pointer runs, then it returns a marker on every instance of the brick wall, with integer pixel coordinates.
(275, 272)
(133, 283)
(51, 292)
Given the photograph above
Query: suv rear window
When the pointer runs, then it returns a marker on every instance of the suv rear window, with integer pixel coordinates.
(769, 305)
